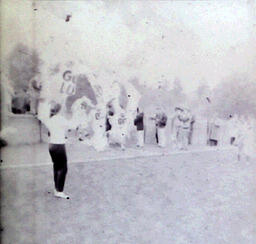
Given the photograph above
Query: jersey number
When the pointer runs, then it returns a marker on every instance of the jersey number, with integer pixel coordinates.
(68, 85)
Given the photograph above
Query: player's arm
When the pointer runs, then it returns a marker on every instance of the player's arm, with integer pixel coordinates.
(45, 119)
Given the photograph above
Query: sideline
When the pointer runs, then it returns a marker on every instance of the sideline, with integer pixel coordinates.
(146, 155)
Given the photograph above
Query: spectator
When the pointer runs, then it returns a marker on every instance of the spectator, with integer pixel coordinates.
(233, 126)
(213, 130)
(98, 126)
(160, 122)
(246, 139)
(138, 122)
(184, 129)
(110, 113)
(175, 126)
(118, 131)
(81, 110)
(20, 103)
(191, 129)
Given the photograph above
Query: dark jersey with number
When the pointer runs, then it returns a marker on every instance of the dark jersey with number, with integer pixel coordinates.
(138, 122)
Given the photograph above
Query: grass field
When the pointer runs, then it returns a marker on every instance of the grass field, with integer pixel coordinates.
(203, 197)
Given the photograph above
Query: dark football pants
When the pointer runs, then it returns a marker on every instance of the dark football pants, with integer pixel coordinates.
(59, 159)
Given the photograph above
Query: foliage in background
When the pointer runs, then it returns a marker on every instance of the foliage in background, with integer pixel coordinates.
(235, 95)
(23, 65)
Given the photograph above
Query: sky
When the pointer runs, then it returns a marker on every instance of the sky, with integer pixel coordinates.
(193, 41)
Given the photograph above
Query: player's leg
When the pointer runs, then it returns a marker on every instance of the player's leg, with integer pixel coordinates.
(59, 158)
(156, 135)
(162, 137)
(140, 138)
(122, 140)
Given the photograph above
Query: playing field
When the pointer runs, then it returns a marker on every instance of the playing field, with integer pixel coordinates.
(203, 197)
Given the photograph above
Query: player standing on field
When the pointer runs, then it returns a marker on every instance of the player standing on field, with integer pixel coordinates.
(57, 125)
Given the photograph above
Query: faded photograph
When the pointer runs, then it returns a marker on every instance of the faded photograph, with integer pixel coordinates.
(128, 122)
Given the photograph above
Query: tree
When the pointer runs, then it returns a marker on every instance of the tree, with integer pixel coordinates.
(201, 99)
(203, 91)
(177, 95)
(235, 95)
(23, 65)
